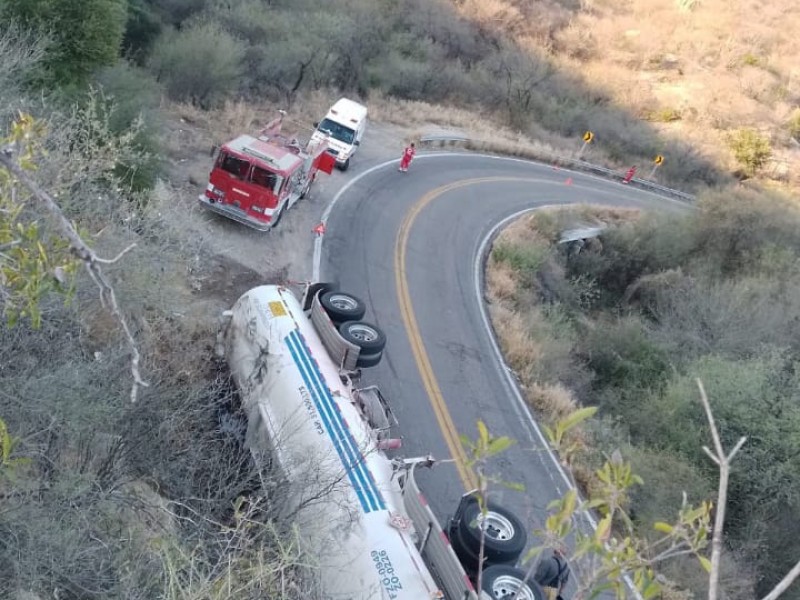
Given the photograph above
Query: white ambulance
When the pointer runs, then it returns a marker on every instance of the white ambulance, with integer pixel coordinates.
(343, 127)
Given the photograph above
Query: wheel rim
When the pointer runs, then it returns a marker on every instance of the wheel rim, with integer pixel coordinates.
(363, 333)
(506, 586)
(496, 526)
(343, 302)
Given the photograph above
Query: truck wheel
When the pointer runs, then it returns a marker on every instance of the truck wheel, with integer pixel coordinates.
(364, 335)
(466, 557)
(369, 360)
(502, 582)
(343, 307)
(346, 165)
(306, 189)
(274, 222)
(505, 534)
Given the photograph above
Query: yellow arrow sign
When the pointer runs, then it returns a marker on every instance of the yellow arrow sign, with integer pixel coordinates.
(659, 159)
(588, 137)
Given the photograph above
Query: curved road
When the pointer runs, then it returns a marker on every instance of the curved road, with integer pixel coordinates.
(408, 244)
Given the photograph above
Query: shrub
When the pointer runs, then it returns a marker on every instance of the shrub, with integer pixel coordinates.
(793, 124)
(133, 97)
(750, 149)
(523, 258)
(665, 115)
(201, 64)
(86, 34)
(623, 355)
(141, 30)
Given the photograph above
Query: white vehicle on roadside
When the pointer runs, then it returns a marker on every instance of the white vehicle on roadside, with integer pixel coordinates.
(342, 128)
(361, 515)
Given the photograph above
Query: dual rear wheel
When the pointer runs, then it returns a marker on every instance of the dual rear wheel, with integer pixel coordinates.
(347, 312)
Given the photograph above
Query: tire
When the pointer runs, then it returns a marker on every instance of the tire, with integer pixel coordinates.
(369, 360)
(505, 534)
(278, 217)
(366, 336)
(466, 557)
(502, 582)
(346, 165)
(343, 307)
(307, 189)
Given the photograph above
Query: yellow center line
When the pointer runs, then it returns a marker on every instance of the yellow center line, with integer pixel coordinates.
(435, 396)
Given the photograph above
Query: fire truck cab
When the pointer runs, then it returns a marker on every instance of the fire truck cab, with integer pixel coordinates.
(254, 180)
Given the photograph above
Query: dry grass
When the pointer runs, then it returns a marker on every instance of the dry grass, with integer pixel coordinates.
(500, 282)
(716, 65)
(521, 351)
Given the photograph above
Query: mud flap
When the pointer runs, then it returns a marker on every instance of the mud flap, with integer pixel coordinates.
(326, 162)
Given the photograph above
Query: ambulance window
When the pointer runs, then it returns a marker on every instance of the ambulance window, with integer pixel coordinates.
(264, 178)
(235, 166)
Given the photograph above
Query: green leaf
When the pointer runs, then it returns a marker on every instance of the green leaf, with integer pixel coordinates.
(663, 527)
(498, 445)
(651, 591)
(549, 433)
(576, 417)
(483, 433)
(705, 562)
(603, 528)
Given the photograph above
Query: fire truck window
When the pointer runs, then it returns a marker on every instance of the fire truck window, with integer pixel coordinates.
(235, 166)
(264, 178)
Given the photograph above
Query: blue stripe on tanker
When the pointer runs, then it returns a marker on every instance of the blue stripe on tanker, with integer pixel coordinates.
(352, 459)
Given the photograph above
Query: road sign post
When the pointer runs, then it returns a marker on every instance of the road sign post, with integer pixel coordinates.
(657, 162)
(587, 139)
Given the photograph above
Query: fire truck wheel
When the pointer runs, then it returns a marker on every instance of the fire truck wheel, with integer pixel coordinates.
(369, 360)
(364, 335)
(343, 307)
(306, 189)
(505, 534)
(278, 216)
(502, 582)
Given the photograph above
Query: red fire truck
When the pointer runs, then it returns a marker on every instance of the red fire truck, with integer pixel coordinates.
(255, 179)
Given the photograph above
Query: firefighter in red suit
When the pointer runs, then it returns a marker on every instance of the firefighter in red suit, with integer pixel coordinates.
(408, 156)
(629, 175)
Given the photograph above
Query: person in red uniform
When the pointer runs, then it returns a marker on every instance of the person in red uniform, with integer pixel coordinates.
(629, 175)
(408, 156)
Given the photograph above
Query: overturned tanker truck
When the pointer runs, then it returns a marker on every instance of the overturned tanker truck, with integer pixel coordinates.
(362, 517)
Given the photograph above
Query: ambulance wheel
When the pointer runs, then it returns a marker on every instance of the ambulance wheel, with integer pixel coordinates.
(369, 360)
(343, 307)
(346, 165)
(505, 537)
(366, 336)
(502, 582)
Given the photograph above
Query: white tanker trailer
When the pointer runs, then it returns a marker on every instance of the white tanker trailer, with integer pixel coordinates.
(361, 514)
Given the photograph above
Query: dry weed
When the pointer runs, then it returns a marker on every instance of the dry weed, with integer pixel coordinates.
(519, 348)
(554, 401)
(501, 282)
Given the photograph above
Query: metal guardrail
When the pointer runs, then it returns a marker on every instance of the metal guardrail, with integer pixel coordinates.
(578, 165)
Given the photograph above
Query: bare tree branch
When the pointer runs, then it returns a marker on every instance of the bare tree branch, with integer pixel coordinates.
(784, 583)
(723, 460)
(84, 253)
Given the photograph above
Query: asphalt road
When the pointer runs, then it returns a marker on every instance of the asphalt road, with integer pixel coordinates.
(407, 243)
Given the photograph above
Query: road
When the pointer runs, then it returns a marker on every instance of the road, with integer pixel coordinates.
(408, 243)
